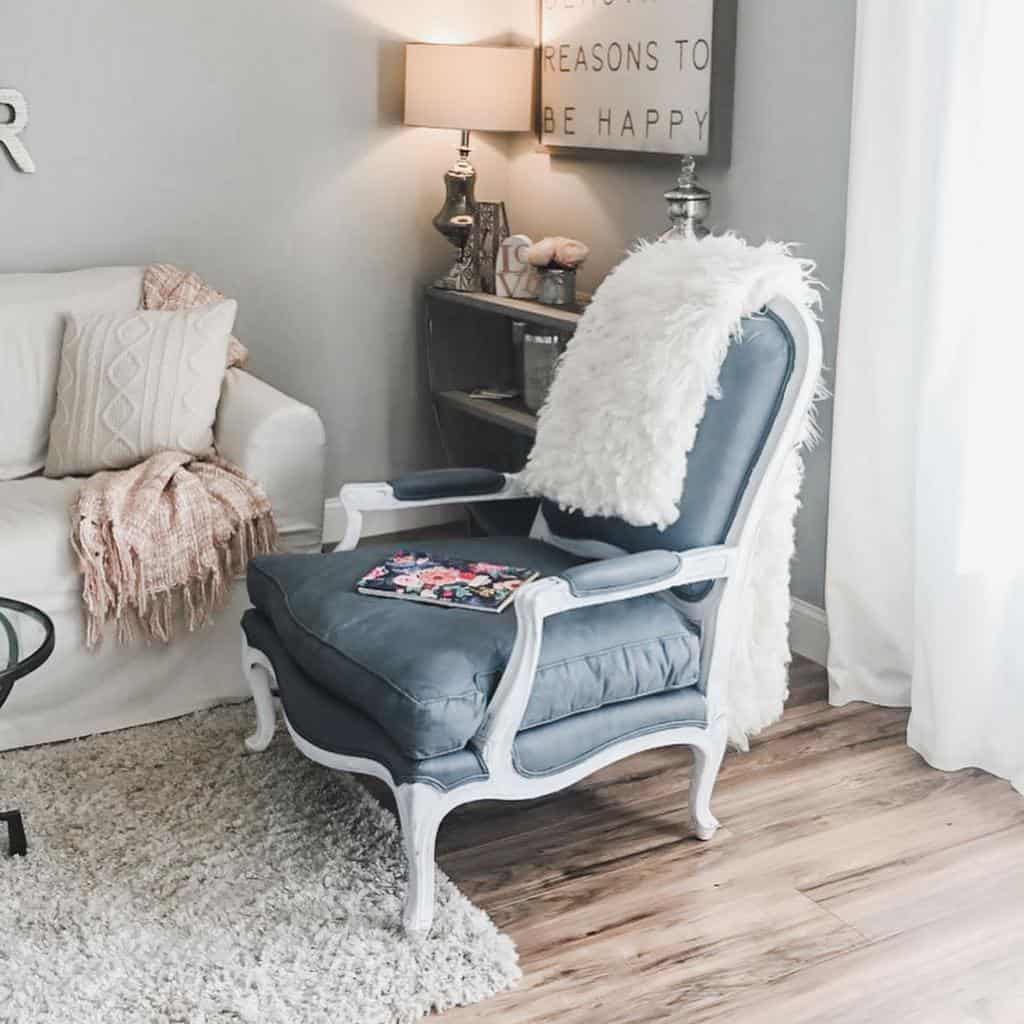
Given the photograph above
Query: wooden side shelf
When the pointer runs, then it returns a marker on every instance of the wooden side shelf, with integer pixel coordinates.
(532, 312)
(505, 413)
(470, 343)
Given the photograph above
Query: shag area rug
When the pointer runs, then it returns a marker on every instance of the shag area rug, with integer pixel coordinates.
(174, 879)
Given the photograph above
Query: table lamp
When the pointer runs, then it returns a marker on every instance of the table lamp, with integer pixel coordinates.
(489, 88)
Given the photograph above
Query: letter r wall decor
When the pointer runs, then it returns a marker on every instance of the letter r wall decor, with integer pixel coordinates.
(627, 75)
(10, 130)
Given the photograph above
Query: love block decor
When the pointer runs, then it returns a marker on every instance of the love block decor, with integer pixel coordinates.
(516, 278)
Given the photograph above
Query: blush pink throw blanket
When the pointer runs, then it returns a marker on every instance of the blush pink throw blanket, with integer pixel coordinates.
(164, 539)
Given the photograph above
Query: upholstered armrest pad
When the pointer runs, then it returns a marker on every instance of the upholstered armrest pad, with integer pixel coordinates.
(611, 574)
(432, 484)
(280, 443)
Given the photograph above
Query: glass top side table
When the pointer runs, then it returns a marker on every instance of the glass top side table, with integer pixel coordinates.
(26, 641)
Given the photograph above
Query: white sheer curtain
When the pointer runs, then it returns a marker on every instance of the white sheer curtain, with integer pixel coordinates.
(925, 579)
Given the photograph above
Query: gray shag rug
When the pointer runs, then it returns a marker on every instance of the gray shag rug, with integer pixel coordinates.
(174, 879)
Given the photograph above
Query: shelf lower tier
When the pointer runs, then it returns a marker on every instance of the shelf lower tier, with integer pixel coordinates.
(512, 415)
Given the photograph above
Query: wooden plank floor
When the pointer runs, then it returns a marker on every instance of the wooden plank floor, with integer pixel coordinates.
(849, 883)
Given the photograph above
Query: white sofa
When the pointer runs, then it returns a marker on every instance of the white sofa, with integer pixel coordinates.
(274, 439)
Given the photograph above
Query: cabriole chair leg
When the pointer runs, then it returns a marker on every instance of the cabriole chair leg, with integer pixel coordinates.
(707, 759)
(419, 813)
(259, 673)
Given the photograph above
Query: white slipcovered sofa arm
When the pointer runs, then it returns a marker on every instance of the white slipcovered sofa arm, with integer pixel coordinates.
(280, 443)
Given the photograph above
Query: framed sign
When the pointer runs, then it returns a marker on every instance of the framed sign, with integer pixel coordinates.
(627, 74)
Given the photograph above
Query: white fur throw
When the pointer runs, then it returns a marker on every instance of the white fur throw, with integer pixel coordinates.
(623, 412)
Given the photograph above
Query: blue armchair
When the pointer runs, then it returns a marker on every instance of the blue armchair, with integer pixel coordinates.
(623, 645)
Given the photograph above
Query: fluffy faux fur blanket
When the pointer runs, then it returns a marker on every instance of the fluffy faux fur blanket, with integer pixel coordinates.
(623, 412)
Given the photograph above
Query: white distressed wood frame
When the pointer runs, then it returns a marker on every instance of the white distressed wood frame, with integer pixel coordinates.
(422, 807)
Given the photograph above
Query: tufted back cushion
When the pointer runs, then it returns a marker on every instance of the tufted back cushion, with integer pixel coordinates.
(729, 442)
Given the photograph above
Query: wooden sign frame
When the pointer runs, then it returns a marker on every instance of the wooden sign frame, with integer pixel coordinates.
(631, 75)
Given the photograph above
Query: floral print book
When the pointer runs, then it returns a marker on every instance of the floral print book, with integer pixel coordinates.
(417, 576)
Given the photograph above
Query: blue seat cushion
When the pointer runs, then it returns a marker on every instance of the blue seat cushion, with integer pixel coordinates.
(425, 674)
(338, 727)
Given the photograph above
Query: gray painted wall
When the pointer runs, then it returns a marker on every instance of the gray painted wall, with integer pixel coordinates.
(259, 143)
(786, 180)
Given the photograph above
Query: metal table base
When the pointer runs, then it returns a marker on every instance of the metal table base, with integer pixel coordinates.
(17, 667)
(17, 844)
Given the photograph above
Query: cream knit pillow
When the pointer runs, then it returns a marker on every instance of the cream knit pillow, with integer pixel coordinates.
(134, 384)
(33, 309)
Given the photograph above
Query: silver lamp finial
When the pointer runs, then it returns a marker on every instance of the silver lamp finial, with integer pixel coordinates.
(688, 203)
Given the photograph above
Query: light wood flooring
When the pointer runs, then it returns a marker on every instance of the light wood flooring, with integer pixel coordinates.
(849, 883)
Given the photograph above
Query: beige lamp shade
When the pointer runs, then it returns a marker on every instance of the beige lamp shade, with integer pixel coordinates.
(481, 88)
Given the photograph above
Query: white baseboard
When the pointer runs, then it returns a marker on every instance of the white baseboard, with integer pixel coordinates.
(376, 523)
(808, 631)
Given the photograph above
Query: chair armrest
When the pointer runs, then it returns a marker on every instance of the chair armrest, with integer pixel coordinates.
(431, 484)
(646, 572)
(421, 490)
(614, 574)
(599, 582)
(280, 443)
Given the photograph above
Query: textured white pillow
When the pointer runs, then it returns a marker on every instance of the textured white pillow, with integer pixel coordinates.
(130, 386)
(32, 312)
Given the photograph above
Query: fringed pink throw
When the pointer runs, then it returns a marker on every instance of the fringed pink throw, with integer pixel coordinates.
(165, 286)
(163, 540)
